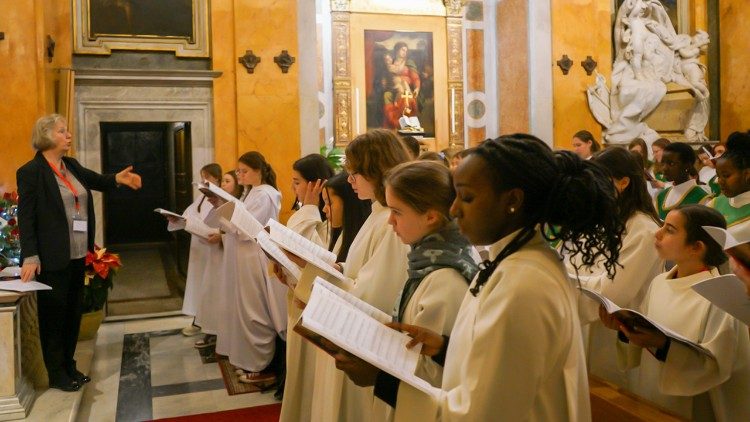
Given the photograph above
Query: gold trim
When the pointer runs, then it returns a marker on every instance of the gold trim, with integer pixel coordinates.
(103, 44)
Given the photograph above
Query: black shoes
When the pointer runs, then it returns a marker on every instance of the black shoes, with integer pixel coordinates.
(65, 384)
(80, 378)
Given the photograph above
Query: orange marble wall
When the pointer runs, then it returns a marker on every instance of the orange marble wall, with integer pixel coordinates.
(266, 103)
(22, 76)
(223, 59)
(580, 28)
(734, 16)
(513, 66)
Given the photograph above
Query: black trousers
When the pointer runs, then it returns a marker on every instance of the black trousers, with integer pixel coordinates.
(59, 313)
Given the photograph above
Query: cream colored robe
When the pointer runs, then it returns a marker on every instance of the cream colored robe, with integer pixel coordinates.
(689, 383)
(433, 305)
(194, 285)
(376, 267)
(301, 354)
(640, 264)
(516, 352)
(256, 301)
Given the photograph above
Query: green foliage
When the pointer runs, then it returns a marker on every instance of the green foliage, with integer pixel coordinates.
(334, 155)
(95, 293)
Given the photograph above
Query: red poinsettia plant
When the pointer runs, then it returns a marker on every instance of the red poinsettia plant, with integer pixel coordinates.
(101, 267)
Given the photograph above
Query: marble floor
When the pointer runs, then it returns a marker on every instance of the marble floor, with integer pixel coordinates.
(146, 369)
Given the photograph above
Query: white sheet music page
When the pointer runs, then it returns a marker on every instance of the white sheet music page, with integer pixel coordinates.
(332, 317)
(728, 293)
(305, 249)
(245, 221)
(277, 254)
(281, 233)
(358, 303)
(218, 218)
(197, 227)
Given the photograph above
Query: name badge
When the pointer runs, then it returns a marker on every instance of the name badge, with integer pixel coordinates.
(80, 225)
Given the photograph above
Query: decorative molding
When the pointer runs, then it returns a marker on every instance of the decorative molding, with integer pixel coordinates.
(565, 64)
(284, 61)
(84, 42)
(454, 8)
(456, 76)
(249, 60)
(342, 78)
(589, 65)
(137, 77)
(340, 5)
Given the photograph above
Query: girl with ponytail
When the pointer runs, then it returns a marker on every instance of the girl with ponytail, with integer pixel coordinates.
(254, 304)
(516, 351)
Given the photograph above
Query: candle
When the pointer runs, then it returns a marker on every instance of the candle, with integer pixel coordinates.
(453, 110)
(356, 108)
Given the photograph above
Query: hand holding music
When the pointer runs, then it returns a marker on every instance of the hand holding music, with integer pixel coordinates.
(432, 342)
(128, 178)
(359, 371)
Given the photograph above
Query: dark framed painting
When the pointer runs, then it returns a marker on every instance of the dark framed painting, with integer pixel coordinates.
(399, 78)
(176, 25)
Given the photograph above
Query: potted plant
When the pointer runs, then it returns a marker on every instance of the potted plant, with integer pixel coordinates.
(101, 267)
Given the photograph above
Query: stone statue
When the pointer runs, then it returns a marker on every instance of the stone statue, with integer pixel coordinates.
(649, 54)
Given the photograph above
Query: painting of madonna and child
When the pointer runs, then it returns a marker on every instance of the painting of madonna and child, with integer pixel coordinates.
(399, 79)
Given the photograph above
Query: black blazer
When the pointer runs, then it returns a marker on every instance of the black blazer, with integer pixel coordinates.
(41, 213)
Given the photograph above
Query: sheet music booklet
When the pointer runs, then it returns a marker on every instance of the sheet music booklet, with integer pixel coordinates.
(358, 327)
(632, 319)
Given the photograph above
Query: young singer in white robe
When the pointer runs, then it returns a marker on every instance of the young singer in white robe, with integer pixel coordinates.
(692, 384)
(516, 351)
(256, 306)
(213, 276)
(638, 258)
(375, 267)
(441, 265)
(199, 249)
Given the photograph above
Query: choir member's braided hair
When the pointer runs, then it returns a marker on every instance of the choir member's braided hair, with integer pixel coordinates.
(738, 150)
(571, 198)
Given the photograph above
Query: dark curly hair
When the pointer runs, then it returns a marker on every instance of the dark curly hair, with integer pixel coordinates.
(573, 200)
(738, 150)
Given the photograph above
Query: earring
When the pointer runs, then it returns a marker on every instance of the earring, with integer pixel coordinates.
(512, 210)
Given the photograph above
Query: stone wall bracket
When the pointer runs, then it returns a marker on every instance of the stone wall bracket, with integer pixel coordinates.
(284, 60)
(589, 65)
(565, 64)
(249, 60)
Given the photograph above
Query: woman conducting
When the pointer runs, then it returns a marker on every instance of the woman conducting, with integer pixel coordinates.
(56, 219)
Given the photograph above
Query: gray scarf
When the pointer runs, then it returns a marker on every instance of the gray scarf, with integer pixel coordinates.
(447, 248)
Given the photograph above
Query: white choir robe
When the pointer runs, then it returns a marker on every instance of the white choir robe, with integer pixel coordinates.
(194, 285)
(516, 351)
(689, 383)
(376, 267)
(207, 315)
(301, 355)
(640, 264)
(434, 305)
(256, 300)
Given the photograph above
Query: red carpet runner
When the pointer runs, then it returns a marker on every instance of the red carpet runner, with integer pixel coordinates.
(267, 413)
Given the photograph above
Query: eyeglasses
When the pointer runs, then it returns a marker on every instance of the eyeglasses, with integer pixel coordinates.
(239, 172)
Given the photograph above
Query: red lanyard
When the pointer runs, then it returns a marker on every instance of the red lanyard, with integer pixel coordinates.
(68, 184)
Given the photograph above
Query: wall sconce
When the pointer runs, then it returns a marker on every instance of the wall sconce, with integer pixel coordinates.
(565, 64)
(589, 65)
(50, 48)
(284, 60)
(249, 60)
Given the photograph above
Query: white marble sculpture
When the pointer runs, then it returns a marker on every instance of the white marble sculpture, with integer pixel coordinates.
(649, 54)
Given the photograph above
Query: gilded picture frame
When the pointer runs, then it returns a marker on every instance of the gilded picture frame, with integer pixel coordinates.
(182, 26)
(362, 40)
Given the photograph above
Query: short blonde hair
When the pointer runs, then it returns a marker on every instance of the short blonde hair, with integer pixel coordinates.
(41, 135)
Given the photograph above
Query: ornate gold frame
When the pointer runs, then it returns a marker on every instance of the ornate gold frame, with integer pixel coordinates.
(83, 43)
(442, 17)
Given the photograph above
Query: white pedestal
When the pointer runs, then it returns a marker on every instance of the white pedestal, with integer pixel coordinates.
(16, 391)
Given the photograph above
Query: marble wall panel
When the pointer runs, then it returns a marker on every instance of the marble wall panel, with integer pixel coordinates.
(735, 62)
(224, 59)
(475, 59)
(513, 66)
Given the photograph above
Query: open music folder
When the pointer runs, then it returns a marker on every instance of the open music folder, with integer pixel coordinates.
(358, 328)
(728, 293)
(632, 319)
(191, 225)
(739, 248)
